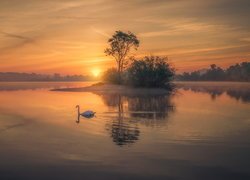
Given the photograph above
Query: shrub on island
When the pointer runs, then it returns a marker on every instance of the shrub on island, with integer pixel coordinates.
(149, 72)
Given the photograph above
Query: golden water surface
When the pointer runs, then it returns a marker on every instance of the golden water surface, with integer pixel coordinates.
(197, 132)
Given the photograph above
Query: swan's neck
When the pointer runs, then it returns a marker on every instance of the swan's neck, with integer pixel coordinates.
(78, 110)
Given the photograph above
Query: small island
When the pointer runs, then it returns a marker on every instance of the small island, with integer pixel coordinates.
(148, 74)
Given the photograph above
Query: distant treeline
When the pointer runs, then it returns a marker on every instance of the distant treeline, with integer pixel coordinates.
(15, 76)
(237, 72)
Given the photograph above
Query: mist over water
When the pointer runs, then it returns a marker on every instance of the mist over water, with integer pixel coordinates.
(199, 132)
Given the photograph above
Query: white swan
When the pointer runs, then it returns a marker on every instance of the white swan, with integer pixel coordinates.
(87, 114)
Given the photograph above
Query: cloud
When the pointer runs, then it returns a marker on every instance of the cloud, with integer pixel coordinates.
(247, 39)
(16, 36)
(98, 31)
(22, 41)
(170, 28)
(77, 18)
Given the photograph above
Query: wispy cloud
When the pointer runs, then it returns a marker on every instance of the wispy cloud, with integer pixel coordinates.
(246, 39)
(21, 41)
(77, 18)
(16, 36)
(170, 28)
(98, 31)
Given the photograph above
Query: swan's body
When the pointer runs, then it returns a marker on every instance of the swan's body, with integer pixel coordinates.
(87, 114)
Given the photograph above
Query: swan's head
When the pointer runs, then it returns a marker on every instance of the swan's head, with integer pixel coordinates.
(77, 106)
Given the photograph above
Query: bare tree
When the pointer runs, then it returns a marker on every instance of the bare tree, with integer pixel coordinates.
(120, 46)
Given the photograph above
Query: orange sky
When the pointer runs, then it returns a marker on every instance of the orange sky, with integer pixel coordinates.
(69, 36)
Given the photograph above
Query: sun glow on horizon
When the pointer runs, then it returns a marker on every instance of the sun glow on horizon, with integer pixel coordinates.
(96, 72)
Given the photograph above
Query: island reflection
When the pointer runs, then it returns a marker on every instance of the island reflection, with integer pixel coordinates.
(132, 110)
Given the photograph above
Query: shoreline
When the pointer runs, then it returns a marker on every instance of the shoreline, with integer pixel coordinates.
(113, 89)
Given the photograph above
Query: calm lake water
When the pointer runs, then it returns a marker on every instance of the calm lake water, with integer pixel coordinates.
(202, 131)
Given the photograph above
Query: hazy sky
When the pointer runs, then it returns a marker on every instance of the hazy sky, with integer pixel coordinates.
(69, 36)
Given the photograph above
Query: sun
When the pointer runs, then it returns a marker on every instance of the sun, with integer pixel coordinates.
(96, 72)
